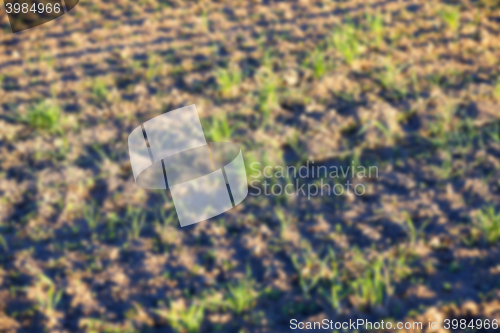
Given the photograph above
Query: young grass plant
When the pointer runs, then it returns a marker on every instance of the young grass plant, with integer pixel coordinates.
(496, 89)
(451, 16)
(184, 320)
(4, 244)
(48, 297)
(154, 66)
(100, 91)
(488, 221)
(44, 116)
(205, 21)
(399, 263)
(137, 220)
(317, 62)
(241, 297)
(228, 80)
(412, 232)
(335, 294)
(345, 40)
(285, 221)
(371, 287)
(376, 27)
(163, 226)
(390, 80)
(217, 128)
(310, 269)
(388, 132)
(267, 91)
(494, 133)
(442, 128)
(93, 325)
(91, 215)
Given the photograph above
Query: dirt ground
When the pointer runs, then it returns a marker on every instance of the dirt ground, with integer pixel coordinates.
(409, 87)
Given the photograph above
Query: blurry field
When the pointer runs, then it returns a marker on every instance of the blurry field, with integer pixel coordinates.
(412, 87)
